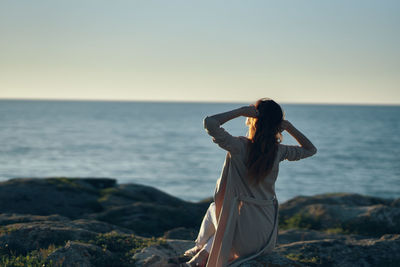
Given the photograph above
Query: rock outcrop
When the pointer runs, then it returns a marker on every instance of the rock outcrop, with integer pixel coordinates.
(344, 212)
(96, 222)
(336, 250)
(143, 209)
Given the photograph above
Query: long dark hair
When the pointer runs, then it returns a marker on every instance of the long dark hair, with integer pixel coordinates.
(264, 135)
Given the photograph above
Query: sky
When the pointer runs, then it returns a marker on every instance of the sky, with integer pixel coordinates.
(339, 52)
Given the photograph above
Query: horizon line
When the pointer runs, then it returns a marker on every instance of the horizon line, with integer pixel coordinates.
(196, 101)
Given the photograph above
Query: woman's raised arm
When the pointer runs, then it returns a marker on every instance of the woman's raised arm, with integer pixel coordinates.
(247, 111)
(299, 136)
(212, 124)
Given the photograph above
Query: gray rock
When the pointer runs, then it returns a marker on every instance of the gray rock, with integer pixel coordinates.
(342, 251)
(145, 210)
(162, 255)
(126, 194)
(67, 197)
(296, 235)
(77, 254)
(272, 259)
(38, 232)
(36, 213)
(352, 213)
(395, 203)
(181, 233)
(301, 247)
(8, 218)
(152, 219)
(383, 251)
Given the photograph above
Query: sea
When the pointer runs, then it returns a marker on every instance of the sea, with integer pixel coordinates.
(164, 145)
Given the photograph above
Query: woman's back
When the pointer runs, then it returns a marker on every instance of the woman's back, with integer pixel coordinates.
(253, 223)
(246, 207)
(265, 189)
(250, 208)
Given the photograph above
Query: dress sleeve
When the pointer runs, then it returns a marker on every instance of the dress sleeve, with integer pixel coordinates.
(220, 136)
(293, 153)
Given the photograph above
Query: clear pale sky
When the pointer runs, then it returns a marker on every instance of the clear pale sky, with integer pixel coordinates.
(226, 51)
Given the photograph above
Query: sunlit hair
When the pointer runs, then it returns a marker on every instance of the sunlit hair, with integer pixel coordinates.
(264, 135)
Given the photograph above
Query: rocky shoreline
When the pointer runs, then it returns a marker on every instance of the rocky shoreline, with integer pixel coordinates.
(97, 222)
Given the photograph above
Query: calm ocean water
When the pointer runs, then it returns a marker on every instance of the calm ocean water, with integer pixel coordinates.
(164, 145)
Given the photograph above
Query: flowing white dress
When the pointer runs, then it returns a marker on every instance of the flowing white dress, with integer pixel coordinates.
(248, 221)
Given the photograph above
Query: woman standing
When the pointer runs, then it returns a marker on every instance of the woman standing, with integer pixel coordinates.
(242, 222)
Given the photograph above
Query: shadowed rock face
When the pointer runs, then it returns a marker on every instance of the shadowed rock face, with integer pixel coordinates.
(339, 251)
(82, 254)
(143, 209)
(352, 213)
(66, 197)
(91, 222)
(23, 234)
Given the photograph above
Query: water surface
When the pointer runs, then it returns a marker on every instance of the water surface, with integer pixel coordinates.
(165, 145)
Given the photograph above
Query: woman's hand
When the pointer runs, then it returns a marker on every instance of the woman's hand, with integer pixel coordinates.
(250, 111)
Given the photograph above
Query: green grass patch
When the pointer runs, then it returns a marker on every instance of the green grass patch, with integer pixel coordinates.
(34, 258)
(337, 230)
(300, 221)
(305, 221)
(63, 181)
(300, 258)
(71, 184)
(106, 193)
(124, 246)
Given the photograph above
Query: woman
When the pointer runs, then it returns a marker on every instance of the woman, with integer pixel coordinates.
(242, 222)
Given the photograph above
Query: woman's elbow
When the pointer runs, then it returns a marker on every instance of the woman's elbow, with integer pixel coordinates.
(209, 122)
(310, 151)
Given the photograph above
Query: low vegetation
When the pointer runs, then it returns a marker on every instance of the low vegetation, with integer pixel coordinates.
(35, 258)
(122, 247)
